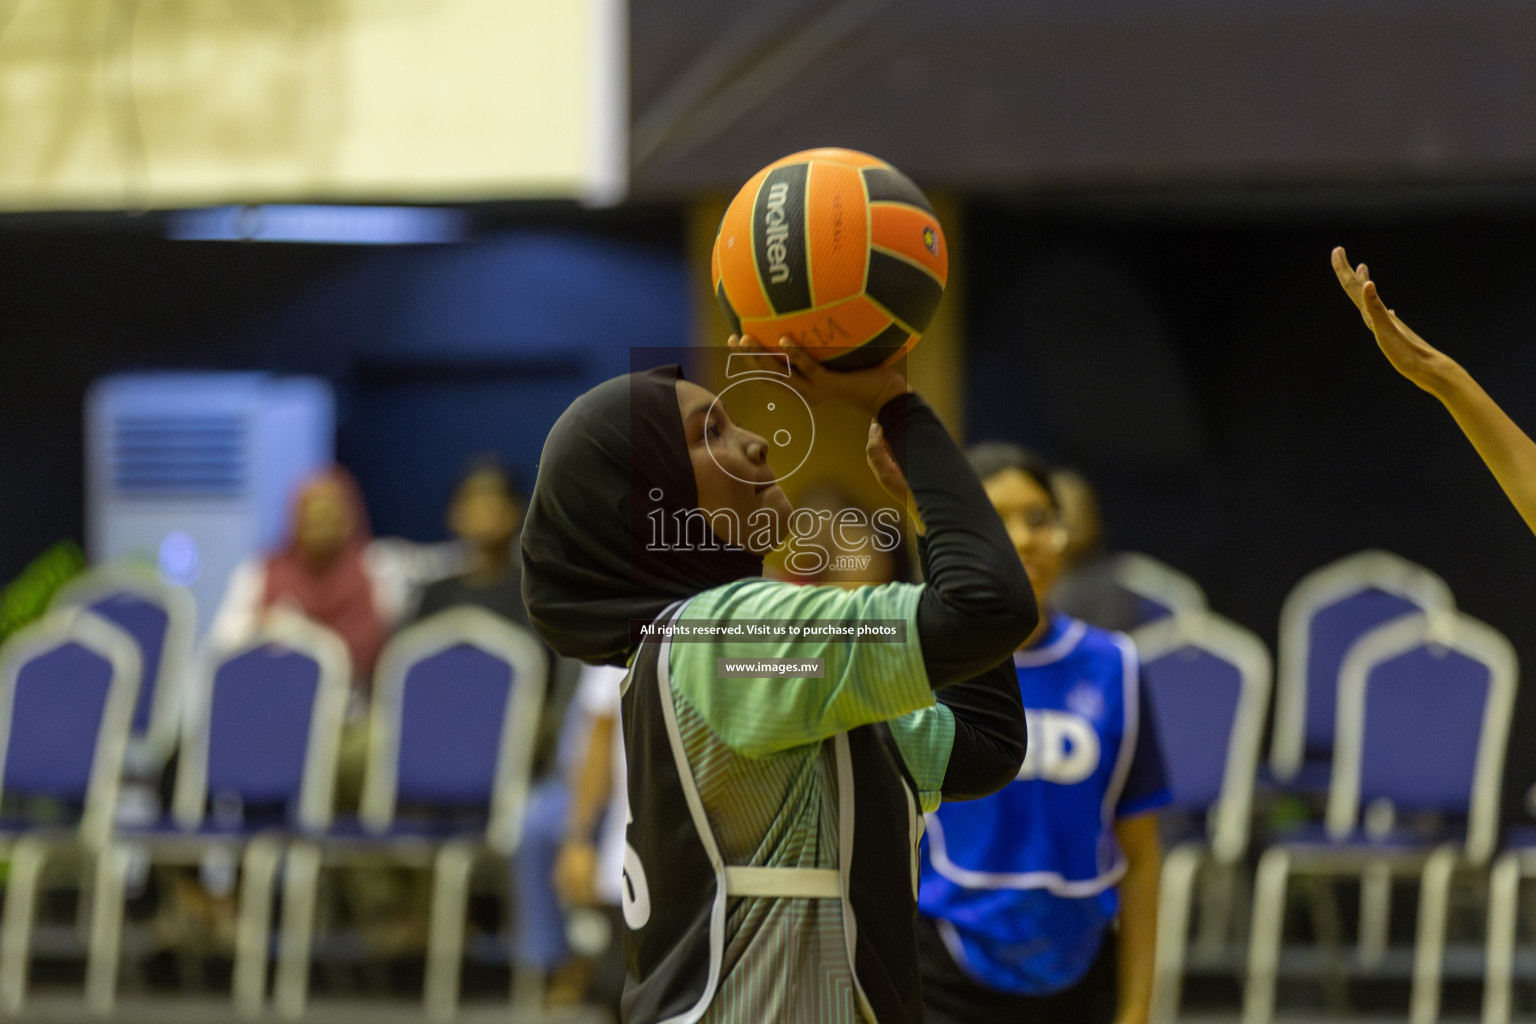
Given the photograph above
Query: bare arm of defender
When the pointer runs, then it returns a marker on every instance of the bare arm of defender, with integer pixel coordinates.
(1504, 447)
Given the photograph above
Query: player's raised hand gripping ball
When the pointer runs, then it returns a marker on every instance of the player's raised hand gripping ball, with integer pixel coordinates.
(836, 249)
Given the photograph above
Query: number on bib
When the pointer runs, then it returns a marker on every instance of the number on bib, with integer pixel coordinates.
(635, 896)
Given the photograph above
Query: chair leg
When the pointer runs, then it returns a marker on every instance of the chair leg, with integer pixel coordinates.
(86, 904)
(527, 989)
(1328, 927)
(1218, 896)
(339, 975)
(258, 872)
(106, 938)
(445, 945)
(1175, 891)
(27, 859)
(1264, 941)
(1503, 892)
(1429, 949)
(301, 879)
(1375, 914)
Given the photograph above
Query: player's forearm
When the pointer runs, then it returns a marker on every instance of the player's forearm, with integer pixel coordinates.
(1138, 940)
(977, 605)
(990, 736)
(1506, 449)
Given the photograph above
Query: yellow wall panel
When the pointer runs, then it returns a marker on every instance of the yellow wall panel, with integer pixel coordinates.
(110, 104)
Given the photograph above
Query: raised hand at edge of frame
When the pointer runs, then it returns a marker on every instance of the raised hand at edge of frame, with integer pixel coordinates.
(1408, 353)
(1505, 449)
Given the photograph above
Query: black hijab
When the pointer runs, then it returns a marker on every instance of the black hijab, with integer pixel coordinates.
(614, 459)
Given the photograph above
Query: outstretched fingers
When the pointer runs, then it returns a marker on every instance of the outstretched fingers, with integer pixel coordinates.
(1345, 273)
(1372, 298)
(1341, 267)
(1353, 280)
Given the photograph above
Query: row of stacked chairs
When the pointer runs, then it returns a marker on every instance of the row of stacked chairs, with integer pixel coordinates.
(1389, 705)
(105, 687)
(1391, 716)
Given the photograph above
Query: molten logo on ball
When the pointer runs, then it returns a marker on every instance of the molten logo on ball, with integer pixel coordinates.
(776, 231)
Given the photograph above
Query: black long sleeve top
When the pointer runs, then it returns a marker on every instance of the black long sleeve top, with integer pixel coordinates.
(977, 607)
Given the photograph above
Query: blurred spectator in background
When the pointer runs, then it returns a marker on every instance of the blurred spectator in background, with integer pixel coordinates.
(326, 571)
(484, 518)
(331, 572)
(579, 846)
(484, 514)
(1081, 517)
(1087, 588)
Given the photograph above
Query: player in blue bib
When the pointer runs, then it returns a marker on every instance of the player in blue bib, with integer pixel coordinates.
(1040, 901)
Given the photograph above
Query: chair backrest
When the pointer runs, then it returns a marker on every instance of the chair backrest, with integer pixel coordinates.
(1322, 618)
(456, 702)
(1160, 589)
(1423, 720)
(162, 619)
(264, 724)
(68, 684)
(1208, 679)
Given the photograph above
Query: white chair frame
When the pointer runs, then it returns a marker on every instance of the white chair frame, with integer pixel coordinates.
(1434, 867)
(1158, 581)
(1372, 569)
(259, 855)
(31, 852)
(1509, 869)
(150, 750)
(450, 861)
(1228, 822)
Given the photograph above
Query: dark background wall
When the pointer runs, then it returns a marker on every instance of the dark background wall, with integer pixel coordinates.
(1012, 94)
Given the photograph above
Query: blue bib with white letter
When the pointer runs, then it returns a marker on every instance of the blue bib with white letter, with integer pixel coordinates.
(1022, 883)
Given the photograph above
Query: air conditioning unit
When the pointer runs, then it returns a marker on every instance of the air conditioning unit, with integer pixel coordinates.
(194, 472)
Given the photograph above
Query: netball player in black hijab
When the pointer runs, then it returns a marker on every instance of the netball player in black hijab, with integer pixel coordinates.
(770, 867)
(616, 461)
